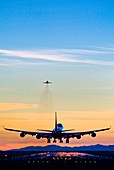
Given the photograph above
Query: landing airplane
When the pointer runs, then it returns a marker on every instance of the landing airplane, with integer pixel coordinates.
(47, 82)
(57, 133)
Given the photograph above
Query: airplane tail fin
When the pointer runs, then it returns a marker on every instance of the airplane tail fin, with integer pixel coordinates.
(55, 120)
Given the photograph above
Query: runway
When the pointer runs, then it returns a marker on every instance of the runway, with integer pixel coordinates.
(61, 160)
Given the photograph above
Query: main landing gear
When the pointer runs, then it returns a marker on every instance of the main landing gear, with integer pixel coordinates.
(48, 140)
(67, 140)
(61, 141)
(54, 141)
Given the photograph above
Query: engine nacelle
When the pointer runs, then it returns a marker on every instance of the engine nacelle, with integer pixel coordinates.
(78, 136)
(22, 134)
(38, 136)
(93, 134)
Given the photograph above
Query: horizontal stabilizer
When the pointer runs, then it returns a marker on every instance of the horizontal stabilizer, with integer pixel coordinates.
(45, 130)
(66, 130)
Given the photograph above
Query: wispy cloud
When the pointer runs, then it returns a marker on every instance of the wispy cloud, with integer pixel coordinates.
(18, 57)
(16, 106)
(35, 55)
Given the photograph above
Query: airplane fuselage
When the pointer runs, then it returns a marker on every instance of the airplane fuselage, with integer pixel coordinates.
(57, 134)
(47, 82)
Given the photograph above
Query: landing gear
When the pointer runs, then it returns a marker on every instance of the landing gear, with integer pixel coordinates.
(54, 141)
(61, 141)
(48, 140)
(67, 140)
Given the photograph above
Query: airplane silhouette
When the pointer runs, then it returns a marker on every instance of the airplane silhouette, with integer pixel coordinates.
(47, 82)
(57, 133)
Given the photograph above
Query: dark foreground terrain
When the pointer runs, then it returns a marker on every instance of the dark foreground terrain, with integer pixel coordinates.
(58, 160)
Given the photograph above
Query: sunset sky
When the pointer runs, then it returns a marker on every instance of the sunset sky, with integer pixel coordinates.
(70, 43)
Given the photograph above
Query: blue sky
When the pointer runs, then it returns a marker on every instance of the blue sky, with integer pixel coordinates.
(70, 43)
(56, 24)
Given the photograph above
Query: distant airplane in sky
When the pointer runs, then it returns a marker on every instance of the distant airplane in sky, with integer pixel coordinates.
(57, 133)
(47, 82)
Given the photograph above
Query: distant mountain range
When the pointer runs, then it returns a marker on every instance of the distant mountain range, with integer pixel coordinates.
(53, 148)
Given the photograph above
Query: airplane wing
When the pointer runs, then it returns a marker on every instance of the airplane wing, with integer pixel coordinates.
(49, 134)
(37, 134)
(79, 134)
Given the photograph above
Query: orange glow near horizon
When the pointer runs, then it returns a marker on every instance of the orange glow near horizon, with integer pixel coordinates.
(15, 106)
(79, 120)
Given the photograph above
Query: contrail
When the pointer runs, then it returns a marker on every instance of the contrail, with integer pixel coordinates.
(46, 101)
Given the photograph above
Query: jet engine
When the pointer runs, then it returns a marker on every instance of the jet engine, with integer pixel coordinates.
(22, 134)
(38, 136)
(93, 134)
